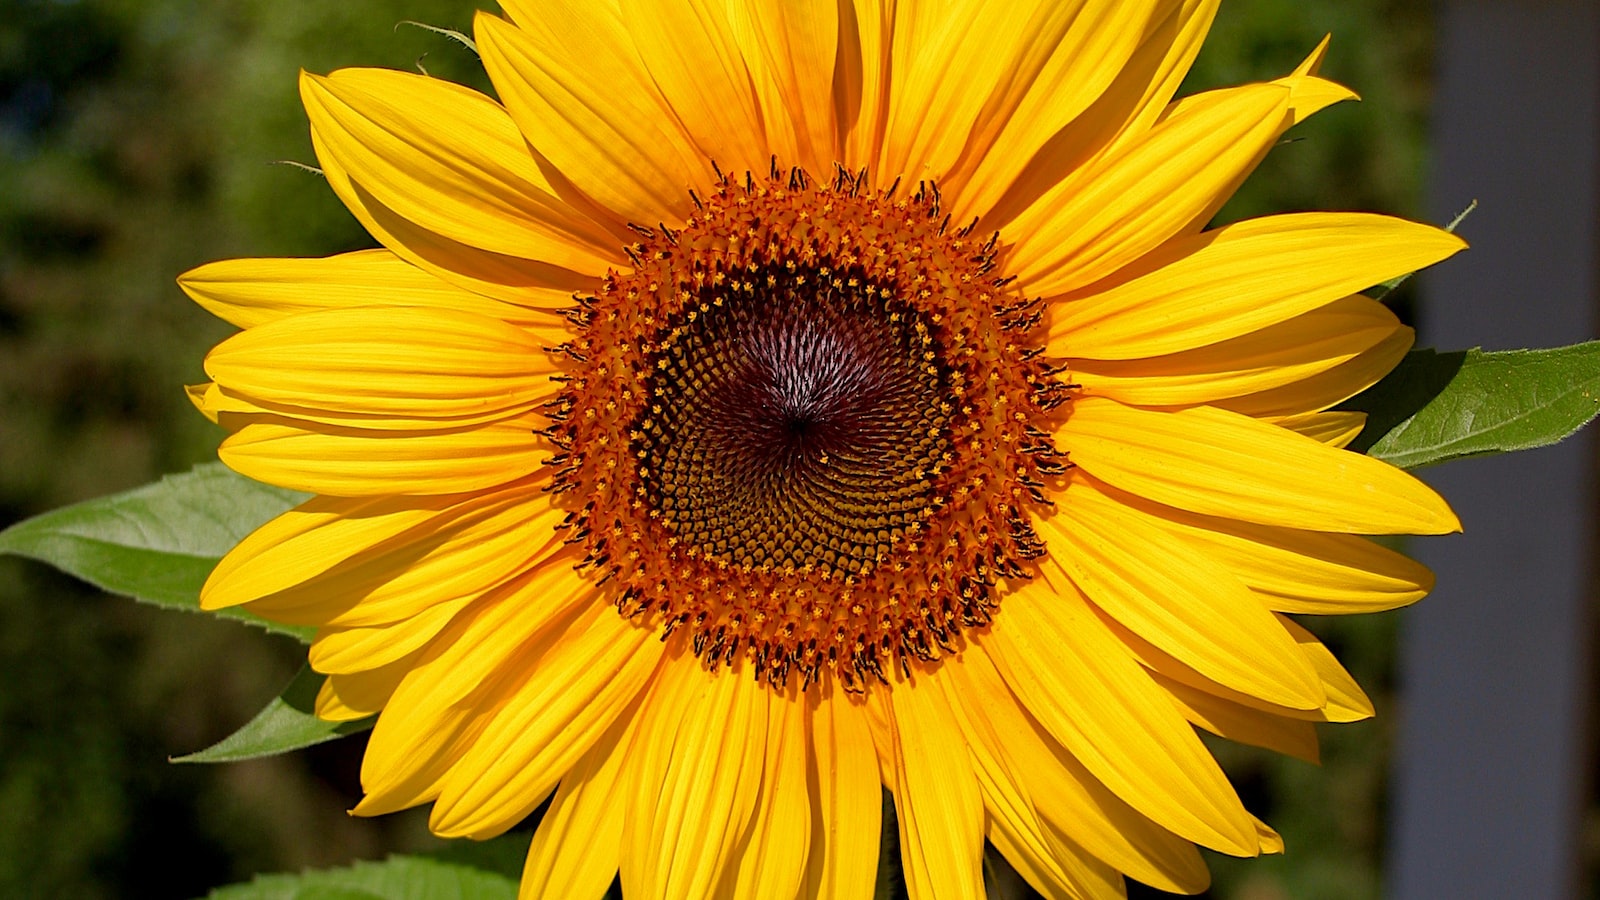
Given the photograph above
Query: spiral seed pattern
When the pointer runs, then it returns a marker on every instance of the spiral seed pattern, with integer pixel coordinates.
(800, 424)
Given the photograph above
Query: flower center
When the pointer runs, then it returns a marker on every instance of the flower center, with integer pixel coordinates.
(802, 422)
(806, 428)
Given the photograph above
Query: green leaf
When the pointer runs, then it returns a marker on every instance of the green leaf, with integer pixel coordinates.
(287, 723)
(396, 878)
(157, 543)
(1435, 407)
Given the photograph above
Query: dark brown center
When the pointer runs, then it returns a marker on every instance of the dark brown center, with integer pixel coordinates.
(796, 423)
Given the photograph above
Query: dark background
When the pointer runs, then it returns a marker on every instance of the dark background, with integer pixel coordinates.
(138, 139)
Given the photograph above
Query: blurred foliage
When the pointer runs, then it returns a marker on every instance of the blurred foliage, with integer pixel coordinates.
(137, 139)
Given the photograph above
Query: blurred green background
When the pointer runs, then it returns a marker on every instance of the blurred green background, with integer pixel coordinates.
(138, 139)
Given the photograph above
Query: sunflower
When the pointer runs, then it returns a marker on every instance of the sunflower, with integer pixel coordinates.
(761, 406)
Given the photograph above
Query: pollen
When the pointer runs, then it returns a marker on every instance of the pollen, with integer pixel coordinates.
(836, 418)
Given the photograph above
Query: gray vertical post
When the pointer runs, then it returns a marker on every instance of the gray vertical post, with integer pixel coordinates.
(1491, 773)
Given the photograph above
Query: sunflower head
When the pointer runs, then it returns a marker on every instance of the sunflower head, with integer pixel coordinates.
(760, 406)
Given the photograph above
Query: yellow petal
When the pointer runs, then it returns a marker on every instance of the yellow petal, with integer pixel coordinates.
(1231, 281)
(414, 779)
(1048, 863)
(530, 13)
(773, 856)
(1237, 722)
(345, 698)
(866, 34)
(1271, 841)
(791, 49)
(227, 408)
(461, 681)
(844, 781)
(561, 708)
(1311, 94)
(1006, 795)
(1023, 113)
(529, 283)
(1345, 703)
(197, 396)
(251, 292)
(324, 531)
(459, 554)
(481, 651)
(879, 716)
(1123, 206)
(1336, 429)
(583, 99)
(348, 650)
(936, 50)
(1293, 570)
(404, 765)
(1173, 595)
(1329, 388)
(1090, 695)
(452, 161)
(575, 848)
(1123, 112)
(940, 807)
(1058, 871)
(1075, 807)
(327, 533)
(1220, 463)
(961, 70)
(1308, 96)
(351, 462)
(692, 55)
(1277, 355)
(697, 780)
(380, 367)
